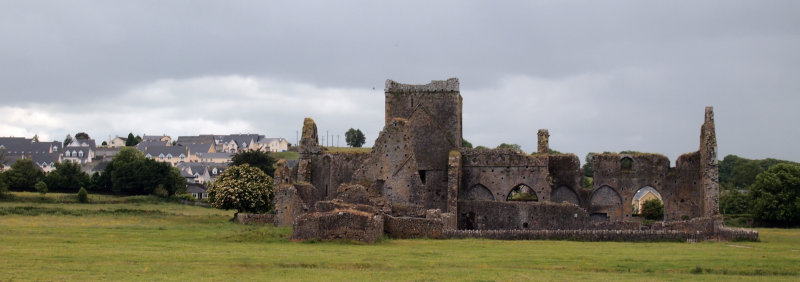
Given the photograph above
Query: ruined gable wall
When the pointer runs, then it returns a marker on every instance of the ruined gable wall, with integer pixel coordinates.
(329, 170)
(565, 171)
(501, 170)
(646, 170)
(391, 168)
(684, 195)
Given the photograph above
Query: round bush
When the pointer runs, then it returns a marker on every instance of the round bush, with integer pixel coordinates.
(83, 196)
(243, 188)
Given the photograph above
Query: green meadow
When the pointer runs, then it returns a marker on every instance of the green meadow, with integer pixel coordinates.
(145, 238)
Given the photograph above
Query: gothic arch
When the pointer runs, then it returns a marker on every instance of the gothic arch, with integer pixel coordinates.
(605, 204)
(478, 192)
(522, 192)
(564, 194)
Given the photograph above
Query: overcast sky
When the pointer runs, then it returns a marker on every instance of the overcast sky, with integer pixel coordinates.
(600, 75)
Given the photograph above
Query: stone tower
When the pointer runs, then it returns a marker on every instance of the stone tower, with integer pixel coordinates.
(433, 115)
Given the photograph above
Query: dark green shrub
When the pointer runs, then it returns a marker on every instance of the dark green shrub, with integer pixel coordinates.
(653, 210)
(161, 192)
(186, 197)
(83, 196)
(41, 187)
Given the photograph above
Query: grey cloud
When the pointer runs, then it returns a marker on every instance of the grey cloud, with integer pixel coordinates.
(637, 74)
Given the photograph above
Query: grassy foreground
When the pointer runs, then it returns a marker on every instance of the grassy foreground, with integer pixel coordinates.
(143, 238)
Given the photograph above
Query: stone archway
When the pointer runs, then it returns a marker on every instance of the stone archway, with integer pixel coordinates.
(523, 193)
(643, 195)
(478, 192)
(605, 204)
(564, 194)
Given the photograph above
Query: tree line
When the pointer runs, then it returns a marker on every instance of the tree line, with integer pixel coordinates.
(129, 173)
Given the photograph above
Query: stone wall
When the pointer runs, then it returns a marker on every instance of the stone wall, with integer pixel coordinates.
(567, 179)
(488, 215)
(329, 170)
(499, 171)
(391, 168)
(583, 235)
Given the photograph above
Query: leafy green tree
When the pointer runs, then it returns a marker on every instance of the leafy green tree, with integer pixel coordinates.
(481, 148)
(23, 175)
(466, 144)
(82, 136)
(588, 170)
(3, 153)
(513, 147)
(67, 177)
(83, 195)
(354, 138)
(243, 188)
(257, 159)
(67, 140)
(41, 187)
(739, 173)
(94, 182)
(132, 140)
(775, 196)
(35, 138)
(3, 185)
(104, 143)
(653, 209)
(731, 201)
(130, 173)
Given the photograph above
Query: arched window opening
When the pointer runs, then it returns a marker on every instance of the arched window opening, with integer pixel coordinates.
(626, 164)
(647, 203)
(522, 193)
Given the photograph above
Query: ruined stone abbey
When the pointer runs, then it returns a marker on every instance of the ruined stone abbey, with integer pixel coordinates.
(418, 181)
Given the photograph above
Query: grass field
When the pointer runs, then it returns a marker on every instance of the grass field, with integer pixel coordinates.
(144, 238)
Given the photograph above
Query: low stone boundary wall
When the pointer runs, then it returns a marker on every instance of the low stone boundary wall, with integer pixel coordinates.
(413, 227)
(250, 218)
(736, 234)
(582, 235)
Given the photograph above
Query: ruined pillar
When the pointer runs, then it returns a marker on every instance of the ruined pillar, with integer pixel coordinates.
(544, 141)
(309, 146)
(453, 181)
(709, 165)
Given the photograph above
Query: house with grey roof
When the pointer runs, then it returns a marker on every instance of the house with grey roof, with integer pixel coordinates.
(197, 150)
(207, 139)
(239, 142)
(273, 144)
(162, 138)
(201, 172)
(81, 151)
(169, 154)
(118, 142)
(197, 190)
(142, 146)
(43, 154)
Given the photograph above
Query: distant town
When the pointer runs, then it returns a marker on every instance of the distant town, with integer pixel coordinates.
(199, 158)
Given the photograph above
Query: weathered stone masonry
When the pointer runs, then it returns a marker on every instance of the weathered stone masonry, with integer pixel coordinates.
(417, 181)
